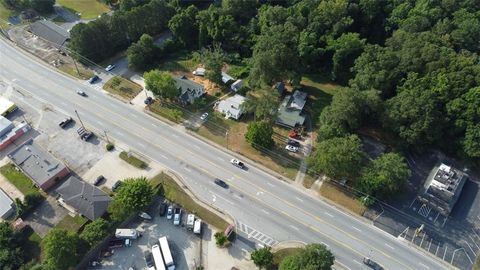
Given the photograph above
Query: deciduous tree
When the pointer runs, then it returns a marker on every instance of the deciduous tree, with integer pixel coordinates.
(262, 258)
(338, 157)
(384, 176)
(60, 249)
(184, 26)
(259, 135)
(213, 59)
(161, 84)
(313, 256)
(142, 54)
(95, 232)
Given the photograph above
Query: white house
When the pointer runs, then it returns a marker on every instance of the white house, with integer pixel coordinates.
(231, 107)
(236, 85)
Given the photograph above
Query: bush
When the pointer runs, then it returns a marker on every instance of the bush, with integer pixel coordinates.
(130, 159)
(109, 146)
(220, 239)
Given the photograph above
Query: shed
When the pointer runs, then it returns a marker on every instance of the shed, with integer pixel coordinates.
(226, 78)
(236, 85)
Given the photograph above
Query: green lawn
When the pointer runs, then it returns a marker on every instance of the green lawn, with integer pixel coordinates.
(89, 9)
(175, 115)
(18, 179)
(72, 224)
(174, 193)
(122, 87)
(132, 160)
(282, 253)
(182, 61)
(82, 73)
(320, 92)
(5, 14)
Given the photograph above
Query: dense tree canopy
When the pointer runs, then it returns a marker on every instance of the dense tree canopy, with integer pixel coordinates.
(259, 135)
(338, 158)
(133, 195)
(262, 258)
(384, 176)
(263, 104)
(60, 249)
(11, 254)
(142, 54)
(95, 232)
(161, 84)
(313, 256)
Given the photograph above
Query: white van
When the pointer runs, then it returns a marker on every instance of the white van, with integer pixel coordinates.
(190, 221)
(197, 226)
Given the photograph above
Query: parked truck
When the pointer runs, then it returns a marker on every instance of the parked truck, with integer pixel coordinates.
(118, 243)
(127, 234)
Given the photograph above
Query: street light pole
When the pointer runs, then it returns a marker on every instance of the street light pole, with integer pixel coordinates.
(108, 141)
(80, 119)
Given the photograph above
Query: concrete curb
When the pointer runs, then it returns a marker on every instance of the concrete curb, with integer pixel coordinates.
(288, 244)
(179, 180)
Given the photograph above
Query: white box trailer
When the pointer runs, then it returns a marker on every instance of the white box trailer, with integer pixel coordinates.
(197, 226)
(127, 234)
(167, 255)
(157, 258)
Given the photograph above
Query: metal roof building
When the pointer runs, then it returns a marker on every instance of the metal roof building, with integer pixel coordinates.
(39, 165)
(51, 32)
(86, 199)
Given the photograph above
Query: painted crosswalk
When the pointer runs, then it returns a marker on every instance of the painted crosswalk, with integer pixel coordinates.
(255, 234)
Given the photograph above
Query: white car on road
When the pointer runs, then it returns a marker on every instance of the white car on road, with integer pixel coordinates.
(237, 163)
(109, 67)
(291, 148)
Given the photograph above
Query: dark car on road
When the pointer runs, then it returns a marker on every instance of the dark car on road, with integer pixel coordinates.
(93, 79)
(116, 185)
(372, 264)
(98, 180)
(148, 101)
(221, 183)
(162, 209)
(65, 122)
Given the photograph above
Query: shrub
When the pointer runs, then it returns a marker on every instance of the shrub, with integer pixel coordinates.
(109, 146)
(220, 239)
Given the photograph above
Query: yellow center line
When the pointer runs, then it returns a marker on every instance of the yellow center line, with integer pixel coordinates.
(239, 177)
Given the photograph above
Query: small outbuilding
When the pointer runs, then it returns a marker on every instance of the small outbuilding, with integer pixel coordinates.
(236, 85)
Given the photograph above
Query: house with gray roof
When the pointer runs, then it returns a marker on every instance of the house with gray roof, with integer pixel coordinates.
(290, 110)
(188, 90)
(82, 198)
(56, 35)
(39, 165)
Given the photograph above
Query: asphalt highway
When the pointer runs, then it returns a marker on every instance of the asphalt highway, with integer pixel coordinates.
(266, 210)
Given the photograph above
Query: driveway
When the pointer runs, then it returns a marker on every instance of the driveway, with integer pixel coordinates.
(46, 216)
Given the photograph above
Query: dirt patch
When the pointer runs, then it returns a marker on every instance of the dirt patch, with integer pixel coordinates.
(48, 53)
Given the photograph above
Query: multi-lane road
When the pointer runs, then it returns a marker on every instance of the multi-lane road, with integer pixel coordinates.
(265, 209)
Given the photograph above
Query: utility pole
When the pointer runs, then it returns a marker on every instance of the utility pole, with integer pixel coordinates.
(226, 135)
(80, 120)
(108, 141)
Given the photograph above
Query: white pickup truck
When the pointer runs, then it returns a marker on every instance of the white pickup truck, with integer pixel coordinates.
(237, 163)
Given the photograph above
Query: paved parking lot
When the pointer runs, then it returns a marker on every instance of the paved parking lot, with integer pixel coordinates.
(185, 245)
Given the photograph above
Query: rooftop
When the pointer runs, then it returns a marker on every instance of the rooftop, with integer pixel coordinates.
(226, 78)
(443, 187)
(5, 105)
(287, 116)
(231, 106)
(88, 200)
(50, 31)
(35, 162)
(6, 203)
(298, 100)
(5, 126)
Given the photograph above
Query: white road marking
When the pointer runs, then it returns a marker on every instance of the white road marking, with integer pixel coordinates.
(356, 228)
(244, 250)
(328, 214)
(265, 211)
(154, 125)
(120, 134)
(196, 146)
(141, 144)
(163, 156)
(323, 243)
(387, 245)
(355, 261)
(298, 199)
(63, 103)
(174, 135)
(270, 184)
(219, 158)
(295, 228)
(133, 115)
(424, 265)
(187, 169)
(259, 193)
(100, 123)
